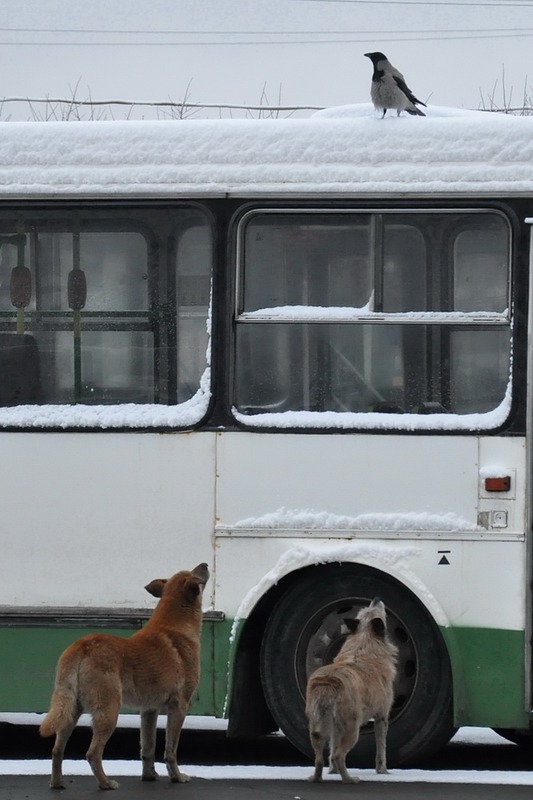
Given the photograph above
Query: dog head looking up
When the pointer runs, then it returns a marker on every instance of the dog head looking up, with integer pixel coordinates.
(184, 587)
(367, 634)
(371, 618)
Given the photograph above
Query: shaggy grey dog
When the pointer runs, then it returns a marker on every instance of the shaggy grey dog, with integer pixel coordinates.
(355, 688)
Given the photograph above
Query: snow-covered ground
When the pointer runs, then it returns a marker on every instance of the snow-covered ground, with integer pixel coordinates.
(465, 736)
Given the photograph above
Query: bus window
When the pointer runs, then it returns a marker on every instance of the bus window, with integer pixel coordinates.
(479, 369)
(194, 256)
(480, 275)
(119, 302)
(405, 275)
(312, 260)
(115, 361)
(389, 312)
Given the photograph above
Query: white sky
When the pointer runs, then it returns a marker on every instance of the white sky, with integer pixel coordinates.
(311, 51)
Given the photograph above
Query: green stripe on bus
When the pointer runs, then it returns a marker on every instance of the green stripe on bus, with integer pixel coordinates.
(489, 676)
(488, 669)
(29, 656)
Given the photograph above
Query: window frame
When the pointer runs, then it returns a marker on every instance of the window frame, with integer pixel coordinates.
(160, 223)
(449, 319)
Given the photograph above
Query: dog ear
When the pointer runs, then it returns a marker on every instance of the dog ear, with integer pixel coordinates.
(156, 587)
(378, 626)
(351, 624)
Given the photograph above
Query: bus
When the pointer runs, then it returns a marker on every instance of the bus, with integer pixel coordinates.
(299, 350)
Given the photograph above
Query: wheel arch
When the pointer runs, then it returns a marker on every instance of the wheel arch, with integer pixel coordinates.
(253, 716)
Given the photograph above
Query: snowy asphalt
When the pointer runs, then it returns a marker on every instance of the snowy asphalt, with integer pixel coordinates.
(22, 787)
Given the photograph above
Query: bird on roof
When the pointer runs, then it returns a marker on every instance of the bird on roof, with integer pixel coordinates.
(389, 89)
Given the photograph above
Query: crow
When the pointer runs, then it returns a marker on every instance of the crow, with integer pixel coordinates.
(389, 89)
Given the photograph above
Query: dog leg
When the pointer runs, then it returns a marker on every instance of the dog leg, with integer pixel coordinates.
(104, 723)
(62, 737)
(176, 715)
(339, 761)
(148, 739)
(381, 725)
(341, 744)
(318, 746)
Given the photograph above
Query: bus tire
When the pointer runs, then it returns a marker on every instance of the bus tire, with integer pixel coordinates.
(304, 631)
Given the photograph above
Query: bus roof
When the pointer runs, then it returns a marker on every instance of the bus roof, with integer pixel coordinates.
(339, 152)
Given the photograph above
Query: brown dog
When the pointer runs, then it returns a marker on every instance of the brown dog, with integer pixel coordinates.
(355, 688)
(156, 668)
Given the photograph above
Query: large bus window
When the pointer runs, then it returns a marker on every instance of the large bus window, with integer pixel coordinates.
(117, 305)
(388, 312)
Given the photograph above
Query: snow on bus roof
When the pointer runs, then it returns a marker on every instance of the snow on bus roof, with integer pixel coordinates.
(337, 151)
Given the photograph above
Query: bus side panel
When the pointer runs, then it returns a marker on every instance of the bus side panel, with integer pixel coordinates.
(471, 579)
(346, 475)
(92, 518)
(486, 650)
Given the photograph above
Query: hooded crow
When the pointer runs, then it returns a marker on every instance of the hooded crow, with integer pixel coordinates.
(389, 89)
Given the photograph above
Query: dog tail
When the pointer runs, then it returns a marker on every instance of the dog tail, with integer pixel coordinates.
(321, 707)
(64, 706)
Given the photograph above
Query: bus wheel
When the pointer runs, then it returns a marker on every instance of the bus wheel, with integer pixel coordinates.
(305, 630)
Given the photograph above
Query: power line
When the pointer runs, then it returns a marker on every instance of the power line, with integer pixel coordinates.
(444, 3)
(91, 31)
(134, 32)
(368, 37)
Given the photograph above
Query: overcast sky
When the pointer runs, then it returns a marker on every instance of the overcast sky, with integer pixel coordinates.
(308, 52)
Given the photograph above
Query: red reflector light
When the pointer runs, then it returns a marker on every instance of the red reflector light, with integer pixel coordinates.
(498, 484)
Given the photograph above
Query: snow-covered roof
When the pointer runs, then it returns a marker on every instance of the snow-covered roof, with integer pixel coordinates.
(338, 151)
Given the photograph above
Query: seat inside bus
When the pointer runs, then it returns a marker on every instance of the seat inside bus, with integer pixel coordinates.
(20, 381)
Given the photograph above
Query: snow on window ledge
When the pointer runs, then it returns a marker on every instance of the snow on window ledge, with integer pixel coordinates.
(348, 313)
(372, 420)
(129, 415)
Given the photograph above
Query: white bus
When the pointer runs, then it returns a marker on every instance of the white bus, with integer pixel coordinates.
(299, 350)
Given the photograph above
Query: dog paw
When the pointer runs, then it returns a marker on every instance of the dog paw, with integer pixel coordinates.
(109, 785)
(351, 779)
(180, 778)
(314, 779)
